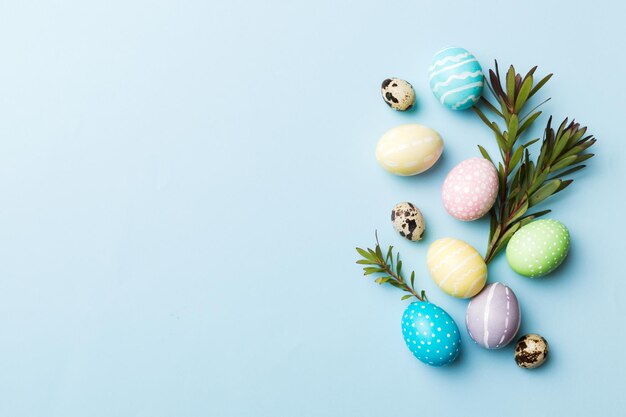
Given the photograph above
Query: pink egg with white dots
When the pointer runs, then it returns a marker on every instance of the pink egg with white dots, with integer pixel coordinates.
(470, 189)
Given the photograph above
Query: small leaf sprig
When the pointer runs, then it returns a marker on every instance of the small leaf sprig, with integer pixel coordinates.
(389, 268)
(526, 182)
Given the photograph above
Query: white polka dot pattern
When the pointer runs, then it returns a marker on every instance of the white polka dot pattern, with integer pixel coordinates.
(538, 248)
(430, 334)
(470, 189)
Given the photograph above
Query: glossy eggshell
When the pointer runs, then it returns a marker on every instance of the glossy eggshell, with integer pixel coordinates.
(456, 78)
(538, 248)
(409, 149)
(456, 267)
(493, 316)
(430, 333)
(470, 189)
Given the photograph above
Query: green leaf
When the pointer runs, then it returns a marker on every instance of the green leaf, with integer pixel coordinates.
(372, 270)
(484, 153)
(517, 156)
(413, 279)
(383, 280)
(366, 262)
(544, 192)
(404, 297)
(527, 219)
(528, 122)
(539, 85)
(379, 253)
(423, 295)
(398, 267)
(366, 254)
(523, 94)
(513, 126)
(582, 158)
(519, 212)
(564, 163)
(510, 83)
(568, 172)
(484, 118)
(491, 106)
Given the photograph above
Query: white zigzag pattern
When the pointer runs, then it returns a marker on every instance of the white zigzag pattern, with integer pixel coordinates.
(456, 90)
(460, 103)
(461, 76)
(453, 58)
(449, 67)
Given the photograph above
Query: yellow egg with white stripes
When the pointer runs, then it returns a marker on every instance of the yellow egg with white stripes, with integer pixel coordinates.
(456, 267)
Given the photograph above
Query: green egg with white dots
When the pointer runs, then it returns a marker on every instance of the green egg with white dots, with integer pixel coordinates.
(538, 248)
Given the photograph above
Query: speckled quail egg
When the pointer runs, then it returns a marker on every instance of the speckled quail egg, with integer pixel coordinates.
(531, 351)
(407, 219)
(398, 94)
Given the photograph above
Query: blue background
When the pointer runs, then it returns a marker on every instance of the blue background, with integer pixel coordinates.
(183, 183)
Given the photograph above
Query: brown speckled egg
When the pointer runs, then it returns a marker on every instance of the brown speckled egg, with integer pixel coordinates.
(531, 351)
(408, 221)
(398, 94)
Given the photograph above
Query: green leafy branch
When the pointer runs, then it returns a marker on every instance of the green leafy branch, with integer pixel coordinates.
(389, 268)
(526, 182)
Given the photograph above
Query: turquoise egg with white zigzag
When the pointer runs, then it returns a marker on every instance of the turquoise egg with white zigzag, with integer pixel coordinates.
(430, 333)
(456, 78)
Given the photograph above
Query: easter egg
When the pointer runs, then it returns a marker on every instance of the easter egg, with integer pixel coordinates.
(470, 189)
(456, 267)
(493, 316)
(430, 333)
(407, 220)
(538, 248)
(409, 149)
(531, 351)
(456, 78)
(398, 94)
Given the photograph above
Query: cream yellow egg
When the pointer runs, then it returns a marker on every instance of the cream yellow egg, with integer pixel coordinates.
(456, 267)
(409, 149)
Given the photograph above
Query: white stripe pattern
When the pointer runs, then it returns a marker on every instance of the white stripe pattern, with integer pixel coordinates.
(472, 97)
(449, 67)
(486, 317)
(452, 58)
(461, 76)
(456, 90)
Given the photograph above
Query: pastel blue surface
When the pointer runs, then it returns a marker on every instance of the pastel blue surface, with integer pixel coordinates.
(183, 184)
(431, 334)
(456, 78)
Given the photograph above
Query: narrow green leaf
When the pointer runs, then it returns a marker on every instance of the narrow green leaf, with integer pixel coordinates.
(510, 83)
(528, 122)
(366, 262)
(413, 279)
(383, 280)
(517, 156)
(485, 154)
(564, 163)
(544, 192)
(372, 270)
(366, 254)
(568, 171)
(539, 85)
(519, 213)
(398, 267)
(513, 127)
(523, 94)
(582, 158)
(407, 296)
(491, 106)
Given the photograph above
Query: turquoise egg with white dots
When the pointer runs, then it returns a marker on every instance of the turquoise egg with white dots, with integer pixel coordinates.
(430, 334)
(456, 78)
(538, 248)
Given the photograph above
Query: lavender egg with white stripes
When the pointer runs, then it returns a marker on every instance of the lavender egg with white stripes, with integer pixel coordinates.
(456, 78)
(493, 316)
